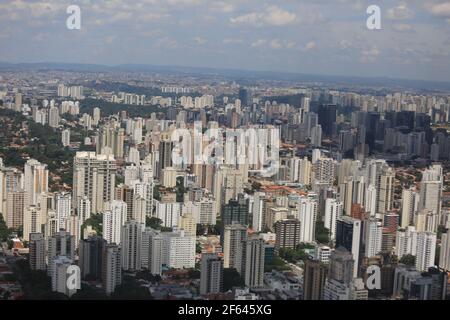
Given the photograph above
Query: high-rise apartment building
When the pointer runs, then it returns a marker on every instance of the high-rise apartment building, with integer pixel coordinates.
(314, 280)
(112, 270)
(348, 235)
(36, 180)
(287, 234)
(131, 244)
(211, 274)
(90, 257)
(234, 237)
(94, 176)
(253, 268)
(37, 252)
(113, 220)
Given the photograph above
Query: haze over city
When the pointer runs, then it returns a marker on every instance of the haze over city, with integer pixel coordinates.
(314, 37)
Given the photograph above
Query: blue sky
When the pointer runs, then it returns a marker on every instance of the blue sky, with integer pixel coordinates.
(319, 37)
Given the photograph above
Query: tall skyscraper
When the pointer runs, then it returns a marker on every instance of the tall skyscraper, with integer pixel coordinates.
(333, 211)
(65, 137)
(165, 154)
(211, 274)
(431, 191)
(113, 220)
(11, 180)
(234, 237)
(152, 251)
(36, 180)
(112, 270)
(314, 280)
(131, 245)
(348, 235)
(374, 234)
(381, 176)
(258, 211)
(90, 257)
(253, 269)
(37, 252)
(63, 209)
(410, 205)
(444, 258)
(53, 117)
(327, 118)
(245, 97)
(307, 209)
(426, 250)
(94, 176)
(16, 202)
(32, 220)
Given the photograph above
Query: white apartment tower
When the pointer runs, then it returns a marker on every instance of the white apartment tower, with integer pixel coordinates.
(131, 245)
(94, 176)
(113, 220)
(36, 180)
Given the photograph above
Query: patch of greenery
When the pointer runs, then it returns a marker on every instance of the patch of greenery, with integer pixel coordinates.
(278, 264)
(96, 222)
(322, 233)
(293, 255)
(36, 285)
(130, 289)
(153, 223)
(148, 276)
(232, 278)
(408, 260)
(4, 231)
(180, 189)
(110, 108)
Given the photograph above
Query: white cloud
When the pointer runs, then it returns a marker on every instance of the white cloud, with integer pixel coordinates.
(222, 6)
(440, 9)
(370, 55)
(400, 12)
(278, 17)
(272, 15)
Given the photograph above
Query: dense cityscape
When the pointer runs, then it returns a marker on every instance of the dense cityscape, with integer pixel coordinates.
(291, 190)
(224, 158)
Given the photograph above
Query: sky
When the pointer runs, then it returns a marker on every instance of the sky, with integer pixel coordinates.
(315, 37)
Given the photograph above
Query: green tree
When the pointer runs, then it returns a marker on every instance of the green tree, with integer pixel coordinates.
(130, 289)
(153, 223)
(96, 222)
(156, 193)
(232, 278)
(4, 231)
(408, 260)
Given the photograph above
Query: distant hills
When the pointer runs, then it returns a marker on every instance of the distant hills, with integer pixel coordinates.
(242, 75)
